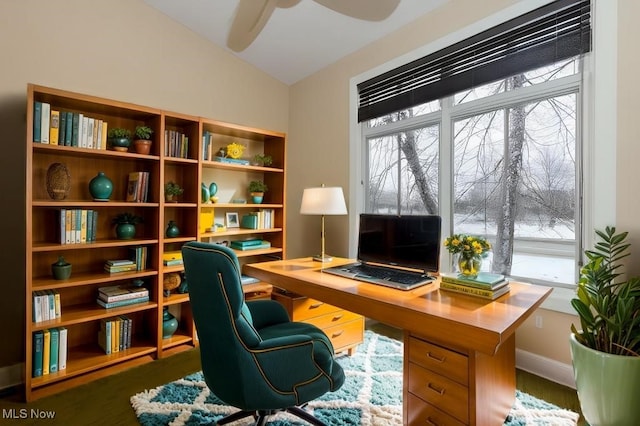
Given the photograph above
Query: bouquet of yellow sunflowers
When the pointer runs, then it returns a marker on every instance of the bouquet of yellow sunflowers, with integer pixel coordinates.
(467, 245)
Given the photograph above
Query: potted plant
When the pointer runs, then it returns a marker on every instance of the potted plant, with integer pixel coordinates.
(606, 351)
(119, 138)
(171, 191)
(126, 225)
(142, 142)
(257, 188)
(262, 160)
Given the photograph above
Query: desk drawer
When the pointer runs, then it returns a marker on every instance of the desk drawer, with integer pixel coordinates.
(345, 335)
(444, 393)
(423, 413)
(440, 360)
(334, 318)
(302, 308)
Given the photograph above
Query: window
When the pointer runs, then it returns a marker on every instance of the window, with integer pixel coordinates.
(535, 194)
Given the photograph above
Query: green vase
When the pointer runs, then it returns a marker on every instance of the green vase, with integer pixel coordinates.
(61, 269)
(101, 187)
(125, 231)
(608, 386)
(169, 324)
(172, 230)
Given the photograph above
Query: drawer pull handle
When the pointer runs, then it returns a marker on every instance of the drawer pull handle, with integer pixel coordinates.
(338, 334)
(431, 422)
(435, 389)
(337, 317)
(316, 305)
(436, 358)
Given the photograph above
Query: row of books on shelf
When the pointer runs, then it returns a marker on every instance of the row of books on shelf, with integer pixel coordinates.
(261, 219)
(77, 226)
(138, 187)
(46, 305)
(49, 351)
(251, 244)
(55, 127)
(486, 285)
(115, 334)
(176, 144)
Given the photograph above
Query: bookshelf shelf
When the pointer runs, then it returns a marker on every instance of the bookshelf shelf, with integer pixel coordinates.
(176, 155)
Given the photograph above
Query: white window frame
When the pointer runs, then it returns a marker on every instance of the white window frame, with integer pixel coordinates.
(598, 132)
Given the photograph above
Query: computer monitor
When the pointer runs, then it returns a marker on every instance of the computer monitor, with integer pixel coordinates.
(407, 241)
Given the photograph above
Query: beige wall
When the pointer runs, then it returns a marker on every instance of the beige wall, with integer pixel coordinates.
(118, 49)
(319, 142)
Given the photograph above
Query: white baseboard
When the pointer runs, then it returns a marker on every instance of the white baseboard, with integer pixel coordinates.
(547, 368)
(11, 376)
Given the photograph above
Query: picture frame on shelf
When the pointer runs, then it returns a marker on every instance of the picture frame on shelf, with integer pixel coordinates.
(232, 220)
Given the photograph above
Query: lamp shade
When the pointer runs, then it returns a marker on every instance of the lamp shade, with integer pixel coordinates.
(325, 200)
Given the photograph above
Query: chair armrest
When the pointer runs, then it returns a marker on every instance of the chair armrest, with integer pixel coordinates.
(288, 361)
(266, 313)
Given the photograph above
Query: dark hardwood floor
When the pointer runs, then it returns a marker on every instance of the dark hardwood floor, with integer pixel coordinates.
(106, 401)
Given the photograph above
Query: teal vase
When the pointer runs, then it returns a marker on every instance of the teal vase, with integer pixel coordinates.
(169, 324)
(172, 230)
(205, 192)
(100, 187)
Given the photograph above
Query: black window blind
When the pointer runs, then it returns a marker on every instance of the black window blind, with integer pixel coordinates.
(551, 33)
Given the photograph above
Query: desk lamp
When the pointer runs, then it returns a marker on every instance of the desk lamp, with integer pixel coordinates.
(323, 201)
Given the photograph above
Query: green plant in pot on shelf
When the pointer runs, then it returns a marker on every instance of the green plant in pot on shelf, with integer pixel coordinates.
(262, 160)
(142, 142)
(257, 188)
(606, 350)
(172, 191)
(126, 225)
(119, 139)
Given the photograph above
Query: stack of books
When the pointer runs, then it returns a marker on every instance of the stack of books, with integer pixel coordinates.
(485, 285)
(121, 295)
(172, 258)
(120, 265)
(250, 244)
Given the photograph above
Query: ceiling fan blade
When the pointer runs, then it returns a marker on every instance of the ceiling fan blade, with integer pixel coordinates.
(368, 10)
(250, 18)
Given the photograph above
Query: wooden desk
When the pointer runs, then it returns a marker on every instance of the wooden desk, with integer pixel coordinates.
(459, 356)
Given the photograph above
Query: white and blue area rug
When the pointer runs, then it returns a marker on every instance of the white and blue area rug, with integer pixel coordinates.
(371, 395)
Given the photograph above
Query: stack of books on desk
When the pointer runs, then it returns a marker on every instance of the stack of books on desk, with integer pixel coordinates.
(485, 285)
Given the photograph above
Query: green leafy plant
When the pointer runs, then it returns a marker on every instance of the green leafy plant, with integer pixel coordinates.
(257, 186)
(172, 188)
(143, 132)
(119, 133)
(608, 305)
(262, 159)
(126, 218)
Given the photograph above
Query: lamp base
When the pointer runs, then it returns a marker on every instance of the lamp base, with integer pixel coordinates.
(322, 258)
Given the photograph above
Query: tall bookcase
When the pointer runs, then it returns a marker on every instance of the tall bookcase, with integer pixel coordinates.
(80, 314)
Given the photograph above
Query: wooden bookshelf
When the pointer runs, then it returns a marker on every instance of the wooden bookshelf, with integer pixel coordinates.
(187, 166)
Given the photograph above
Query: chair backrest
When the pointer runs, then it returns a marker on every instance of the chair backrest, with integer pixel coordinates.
(223, 321)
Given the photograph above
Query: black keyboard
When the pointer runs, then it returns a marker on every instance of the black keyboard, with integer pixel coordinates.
(388, 274)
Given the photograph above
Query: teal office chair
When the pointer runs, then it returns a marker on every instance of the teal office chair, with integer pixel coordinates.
(253, 357)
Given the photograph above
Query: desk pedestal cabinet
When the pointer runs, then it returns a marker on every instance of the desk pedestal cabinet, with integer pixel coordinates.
(344, 328)
(445, 386)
